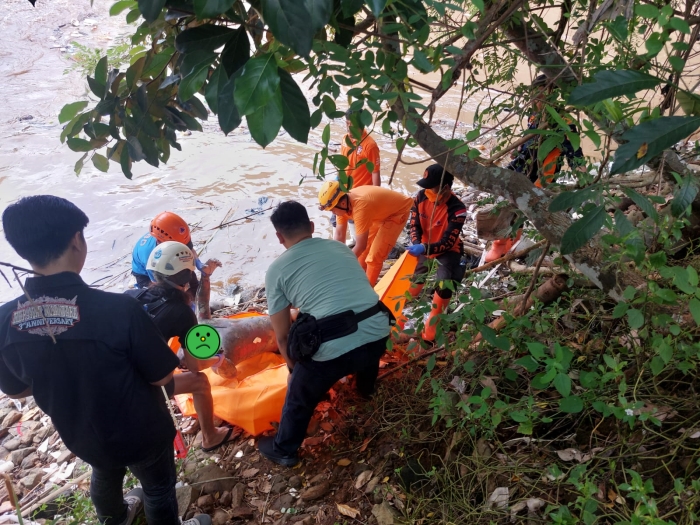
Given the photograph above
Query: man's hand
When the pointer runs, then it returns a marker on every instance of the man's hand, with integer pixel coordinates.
(210, 266)
(416, 249)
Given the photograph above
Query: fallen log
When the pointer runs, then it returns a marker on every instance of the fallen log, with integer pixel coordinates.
(546, 293)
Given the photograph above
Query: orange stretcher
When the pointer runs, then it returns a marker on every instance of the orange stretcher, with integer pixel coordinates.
(255, 397)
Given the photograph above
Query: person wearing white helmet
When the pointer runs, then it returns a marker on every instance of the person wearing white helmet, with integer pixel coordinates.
(168, 303)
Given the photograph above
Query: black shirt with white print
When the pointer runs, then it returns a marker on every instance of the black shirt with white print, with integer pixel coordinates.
(95, 382)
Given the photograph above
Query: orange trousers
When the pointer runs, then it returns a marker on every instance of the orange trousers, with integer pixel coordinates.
(382, 238)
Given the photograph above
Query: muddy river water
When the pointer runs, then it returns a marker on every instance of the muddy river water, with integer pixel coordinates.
(214, 178)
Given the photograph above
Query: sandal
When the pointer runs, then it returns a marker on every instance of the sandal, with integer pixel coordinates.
(233, 433)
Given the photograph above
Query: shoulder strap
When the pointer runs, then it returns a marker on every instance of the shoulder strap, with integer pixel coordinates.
(379, 307)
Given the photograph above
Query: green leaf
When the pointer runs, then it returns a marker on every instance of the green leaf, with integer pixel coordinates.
(528, 363)
(132, 16)
(609, 84)
(571, 405)
(620, 310)
(377, 6)
(120, 6)
(158, 62)
(265, 123)
(547, 146)
(207, 37)
(679, 25)
(195, 60)
(79, 164)
(100, 162)
(150, 9)
(296, 115)
(236, 52)
(654, 44)
(694, 306)
(479, 4)
(125, 162)
(326, 134)
(690, 102)
(618, 28)
(79, 145)
(650, 139)
(97, 89)
(216, 82)
(572, 199)
(684, 196)
(644, 204)
(677, 63)
(421, 61)
(229, 118)
(258, 83)
(193, 82)
(580, 232)
(290, 22)
(646, 11)
(211, 8)
(635, 318)
(320, 11)
(657, 365)
(562, 383)
(69, 111)
(101, 71)
(350, 7)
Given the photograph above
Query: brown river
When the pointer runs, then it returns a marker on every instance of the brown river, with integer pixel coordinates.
(213, 180)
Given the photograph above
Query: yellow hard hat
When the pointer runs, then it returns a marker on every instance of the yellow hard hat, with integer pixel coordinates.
(330, 194)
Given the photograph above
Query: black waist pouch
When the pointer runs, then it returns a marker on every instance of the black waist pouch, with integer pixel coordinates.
(307, 333)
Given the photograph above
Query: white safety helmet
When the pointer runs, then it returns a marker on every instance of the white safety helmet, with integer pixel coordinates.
(171, 259)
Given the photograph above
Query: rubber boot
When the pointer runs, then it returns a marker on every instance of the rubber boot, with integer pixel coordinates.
(500, 247)
(439, 305)
(416, 289)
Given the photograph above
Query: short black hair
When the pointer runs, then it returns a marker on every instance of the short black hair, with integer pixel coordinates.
(291, 218)
(353, 115)
(40, 227)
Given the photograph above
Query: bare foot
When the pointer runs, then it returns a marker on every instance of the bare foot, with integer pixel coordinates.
(221, 436)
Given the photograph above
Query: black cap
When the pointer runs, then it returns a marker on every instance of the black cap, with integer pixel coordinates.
(540, 80)
(433, 175)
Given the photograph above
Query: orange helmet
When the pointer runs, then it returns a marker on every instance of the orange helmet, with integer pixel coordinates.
(170, 227)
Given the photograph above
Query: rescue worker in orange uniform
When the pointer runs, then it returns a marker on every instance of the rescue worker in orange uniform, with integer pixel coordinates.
(363, 158)
(379, 214)
(525, 160)
(437, 218)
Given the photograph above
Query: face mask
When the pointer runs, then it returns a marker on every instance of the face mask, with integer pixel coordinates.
(432, 195)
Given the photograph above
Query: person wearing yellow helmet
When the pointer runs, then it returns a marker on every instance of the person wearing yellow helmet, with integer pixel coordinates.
(379, 214)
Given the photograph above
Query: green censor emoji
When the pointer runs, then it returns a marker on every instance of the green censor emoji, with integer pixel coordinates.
(203, 341)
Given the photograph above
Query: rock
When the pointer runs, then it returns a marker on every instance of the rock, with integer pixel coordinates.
(317, 491)
(318, 478)
(29, 461)
(237, 495)
(384, 513)
(205, 502)
(225, 499)
(66, 455)
(6, 507)
(11, 418)
(12, 444)
(212, 479)
(296, 482)
(220, 517)
(31, 480)
(18, 455)
(3, 453)
(6, 467)
(285, 501)
(242, 512)
(185, 497)
(28, 438)
(279, 487)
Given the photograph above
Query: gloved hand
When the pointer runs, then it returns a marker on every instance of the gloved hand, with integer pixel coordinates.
(416, 249)
(216, 365)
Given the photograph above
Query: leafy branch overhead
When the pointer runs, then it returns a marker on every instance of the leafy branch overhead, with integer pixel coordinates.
(260, 62)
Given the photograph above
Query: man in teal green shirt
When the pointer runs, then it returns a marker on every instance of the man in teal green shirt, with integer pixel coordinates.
(321, 277)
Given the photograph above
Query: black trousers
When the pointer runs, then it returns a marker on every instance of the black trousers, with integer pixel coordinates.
(449, 268)
(312, 379)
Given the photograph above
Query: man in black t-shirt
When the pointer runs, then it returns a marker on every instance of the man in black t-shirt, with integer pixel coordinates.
(94, 363)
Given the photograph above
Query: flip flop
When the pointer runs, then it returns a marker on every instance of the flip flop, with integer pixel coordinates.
(232, 434)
